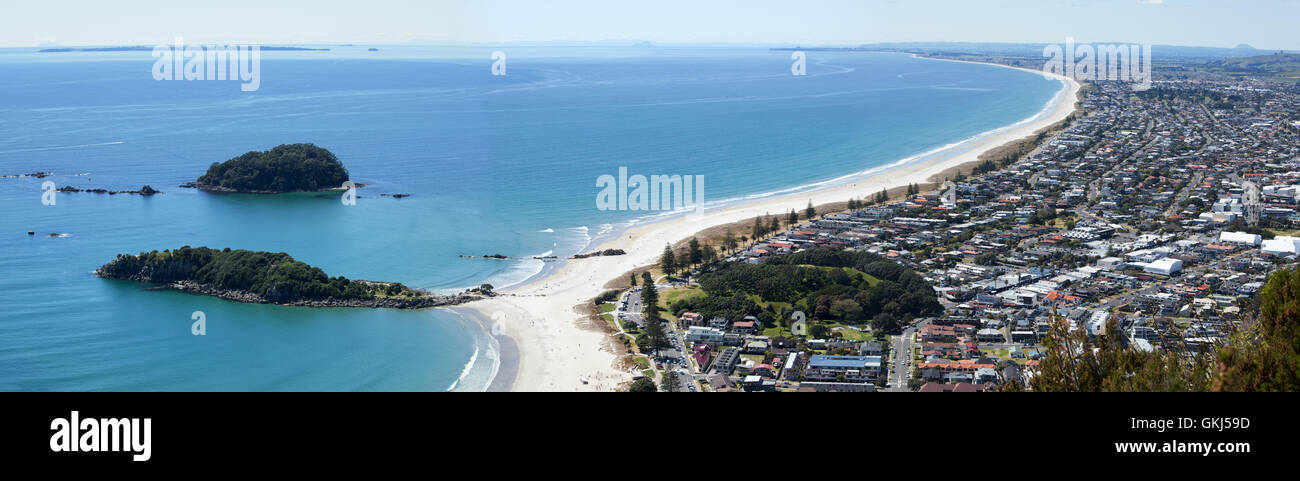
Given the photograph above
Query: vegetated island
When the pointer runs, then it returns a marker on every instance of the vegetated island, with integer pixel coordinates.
(265, 278)
(285, 168)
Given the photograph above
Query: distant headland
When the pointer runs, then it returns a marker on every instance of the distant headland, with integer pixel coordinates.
(285, 168)
(145, 48)
(265, 278)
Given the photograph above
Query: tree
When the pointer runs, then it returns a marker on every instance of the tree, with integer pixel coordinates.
(759, 229)
(774, 225)
(1076, 363)
(667, 262)
(655, 333)
(710, 254)
(809, 212)
(846, 309)
(792, 218)
(818, 330)
(648, 295)
(729, 241)
(631, 277)
(642, 385)
(886, 322)
(1265, 356)
(696, 255)
(671, 382)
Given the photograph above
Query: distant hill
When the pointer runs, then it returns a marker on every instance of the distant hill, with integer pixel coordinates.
(1282, 65)
(1159, 52)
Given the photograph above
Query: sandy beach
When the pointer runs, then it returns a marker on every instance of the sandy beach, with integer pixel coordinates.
(557, 348)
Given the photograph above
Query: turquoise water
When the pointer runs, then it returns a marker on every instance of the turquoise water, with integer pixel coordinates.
(494, 165)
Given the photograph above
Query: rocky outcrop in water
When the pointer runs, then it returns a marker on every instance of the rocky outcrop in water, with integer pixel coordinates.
(145, 191)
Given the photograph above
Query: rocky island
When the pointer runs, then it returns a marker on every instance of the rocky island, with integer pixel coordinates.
(265, 278)
(284, 168)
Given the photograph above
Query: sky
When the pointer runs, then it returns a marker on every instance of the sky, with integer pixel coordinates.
(1264, 24)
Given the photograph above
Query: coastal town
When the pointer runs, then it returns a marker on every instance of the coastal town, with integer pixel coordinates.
(1152, 215)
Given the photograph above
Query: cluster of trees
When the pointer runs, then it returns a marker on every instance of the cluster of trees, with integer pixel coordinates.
(696, 254)
(643, 384)
(886, 295)
(913, 189)
(285, 168)
(276, 276)
(1263, 356)
(877, 198)
(1043, 216)
(607, 296)
(655, 335)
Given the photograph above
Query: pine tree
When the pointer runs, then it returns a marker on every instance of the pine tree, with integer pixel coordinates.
(632, 277)
(667, 261)
(757, 230)
(649, 297)
(729, 241)
(654, 323)
(810, 212)
(774, 226)
(671, 382)
(697, 255)
(792, 218)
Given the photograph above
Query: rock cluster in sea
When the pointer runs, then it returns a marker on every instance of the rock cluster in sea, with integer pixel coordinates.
(146, 191)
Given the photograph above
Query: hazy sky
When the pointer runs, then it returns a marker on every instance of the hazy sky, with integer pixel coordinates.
(1266, 24)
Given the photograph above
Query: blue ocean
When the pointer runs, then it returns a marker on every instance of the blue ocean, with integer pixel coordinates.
(493, 165)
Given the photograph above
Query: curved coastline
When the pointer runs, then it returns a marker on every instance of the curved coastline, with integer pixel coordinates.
(505, 363)
(548, 353)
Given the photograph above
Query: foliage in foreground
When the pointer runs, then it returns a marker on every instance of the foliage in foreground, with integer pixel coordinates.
(1263, 356)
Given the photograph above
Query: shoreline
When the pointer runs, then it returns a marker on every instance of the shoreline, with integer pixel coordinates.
(507, 351)
(542, 319)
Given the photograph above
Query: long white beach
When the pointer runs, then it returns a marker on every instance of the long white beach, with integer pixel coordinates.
(555, 353)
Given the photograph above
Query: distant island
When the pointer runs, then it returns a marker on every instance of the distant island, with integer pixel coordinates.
(265, 278)
(145, 48)
(285, 168)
